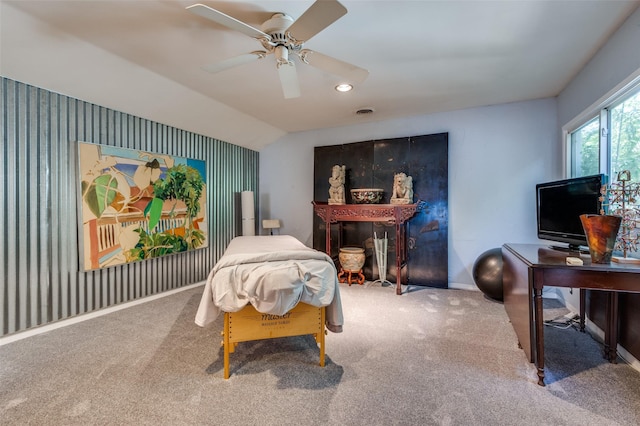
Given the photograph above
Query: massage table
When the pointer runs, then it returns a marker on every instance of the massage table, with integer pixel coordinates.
(270, 287)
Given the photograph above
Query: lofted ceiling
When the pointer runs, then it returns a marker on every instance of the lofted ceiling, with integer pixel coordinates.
(422, 56)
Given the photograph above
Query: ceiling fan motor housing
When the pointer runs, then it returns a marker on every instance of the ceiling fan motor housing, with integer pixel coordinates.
(280, 42)
(276, 27)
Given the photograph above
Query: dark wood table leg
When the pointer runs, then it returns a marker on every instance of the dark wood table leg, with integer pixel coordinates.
(614, 327)
(399, 238)
(583, 299)
(607, 327)
(539, 330)
(327, 241)
(611, 329)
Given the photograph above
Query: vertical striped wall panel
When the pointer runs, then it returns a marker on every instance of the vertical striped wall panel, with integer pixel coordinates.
(40, 272)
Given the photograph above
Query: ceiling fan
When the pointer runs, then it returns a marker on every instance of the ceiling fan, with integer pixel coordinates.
(283, 37)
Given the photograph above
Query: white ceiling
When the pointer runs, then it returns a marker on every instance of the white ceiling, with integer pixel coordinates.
(422, 56)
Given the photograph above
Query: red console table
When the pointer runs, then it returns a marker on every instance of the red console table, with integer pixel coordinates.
(390, 214)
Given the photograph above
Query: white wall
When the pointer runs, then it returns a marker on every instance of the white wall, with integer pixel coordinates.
(496, 156)
(615, 65)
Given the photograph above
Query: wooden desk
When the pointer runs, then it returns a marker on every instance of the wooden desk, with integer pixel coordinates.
(527, 268)
(390, 214)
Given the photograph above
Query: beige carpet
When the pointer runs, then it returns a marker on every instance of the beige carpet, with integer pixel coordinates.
(430, 356)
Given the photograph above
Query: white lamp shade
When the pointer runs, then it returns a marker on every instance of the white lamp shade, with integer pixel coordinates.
(271, 223)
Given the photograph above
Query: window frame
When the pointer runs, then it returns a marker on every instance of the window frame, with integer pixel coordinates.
(600, 109)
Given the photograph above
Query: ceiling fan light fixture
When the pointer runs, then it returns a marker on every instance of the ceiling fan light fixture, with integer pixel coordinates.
(344, 87)
(282, 55)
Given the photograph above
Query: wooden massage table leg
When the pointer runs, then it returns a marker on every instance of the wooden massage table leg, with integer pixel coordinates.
(248, 325)
(226, 345)
(319, 336)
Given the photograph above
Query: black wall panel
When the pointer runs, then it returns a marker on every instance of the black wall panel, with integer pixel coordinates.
(373, 164)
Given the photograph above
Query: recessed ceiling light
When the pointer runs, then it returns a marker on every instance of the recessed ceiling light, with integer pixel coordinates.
(344, 87)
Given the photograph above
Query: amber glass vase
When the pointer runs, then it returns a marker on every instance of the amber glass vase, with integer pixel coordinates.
(601, 232)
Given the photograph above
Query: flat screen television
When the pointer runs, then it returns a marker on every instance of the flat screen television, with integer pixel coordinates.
(560, 204)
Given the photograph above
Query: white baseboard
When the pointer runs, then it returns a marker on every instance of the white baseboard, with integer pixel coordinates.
(461, 286)
(547, 294)
(628, 358)
(84, 317)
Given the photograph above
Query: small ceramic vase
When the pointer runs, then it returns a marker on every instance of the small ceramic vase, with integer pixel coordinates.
(351, 258)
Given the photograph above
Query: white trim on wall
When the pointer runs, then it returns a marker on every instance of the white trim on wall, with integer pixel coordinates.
(95, 314)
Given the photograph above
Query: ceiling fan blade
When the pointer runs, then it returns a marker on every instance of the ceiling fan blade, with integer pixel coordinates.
(319, 16)
(335, 66)
(289, 80)
(226, 20)
(234, 62)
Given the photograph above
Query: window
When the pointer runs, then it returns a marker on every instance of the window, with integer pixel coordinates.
(624, 137)
(609, 142)
(585, 149)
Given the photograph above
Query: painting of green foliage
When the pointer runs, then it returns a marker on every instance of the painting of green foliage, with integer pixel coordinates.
(138, 205)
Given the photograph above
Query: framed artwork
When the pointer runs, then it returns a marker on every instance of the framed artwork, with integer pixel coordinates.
(137, 205)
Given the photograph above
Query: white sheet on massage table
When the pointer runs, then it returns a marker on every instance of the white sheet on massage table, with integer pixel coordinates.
(273, 273)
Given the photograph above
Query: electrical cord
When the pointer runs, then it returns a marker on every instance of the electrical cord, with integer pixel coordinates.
(563, 322)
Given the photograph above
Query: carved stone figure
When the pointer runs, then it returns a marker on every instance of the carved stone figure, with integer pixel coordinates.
(336, 190)
(402, 189)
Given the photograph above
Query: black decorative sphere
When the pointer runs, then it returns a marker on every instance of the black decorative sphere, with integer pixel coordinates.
(487, 273)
